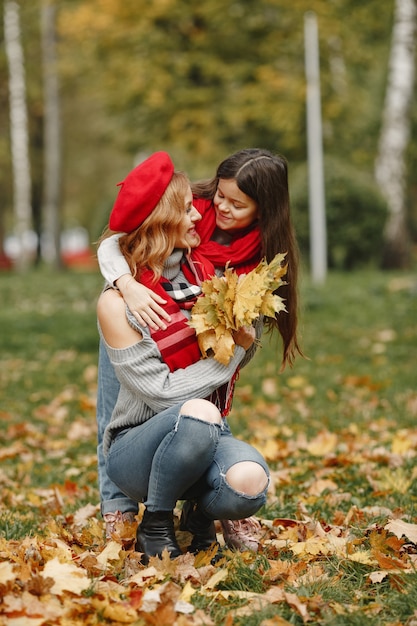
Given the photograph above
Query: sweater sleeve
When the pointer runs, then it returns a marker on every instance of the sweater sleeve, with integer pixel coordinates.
(111, 261)
(142, 373)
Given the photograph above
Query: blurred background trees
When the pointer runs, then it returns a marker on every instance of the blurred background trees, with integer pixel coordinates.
(202, 80)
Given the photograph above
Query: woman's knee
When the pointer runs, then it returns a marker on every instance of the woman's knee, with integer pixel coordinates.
(247, 477)
(202, 410)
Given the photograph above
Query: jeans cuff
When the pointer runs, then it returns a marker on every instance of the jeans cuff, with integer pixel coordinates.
(119, 504)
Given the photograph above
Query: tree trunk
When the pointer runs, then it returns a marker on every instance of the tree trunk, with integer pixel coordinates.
(52, 138)
(390, 169)
(18, 131)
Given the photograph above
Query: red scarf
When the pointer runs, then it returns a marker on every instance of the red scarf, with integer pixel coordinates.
(244, 251)
(178, 343)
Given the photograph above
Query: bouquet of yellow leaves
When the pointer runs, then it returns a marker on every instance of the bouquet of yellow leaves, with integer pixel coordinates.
(231, 301)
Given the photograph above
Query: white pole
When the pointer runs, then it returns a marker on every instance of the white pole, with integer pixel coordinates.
(318, 237)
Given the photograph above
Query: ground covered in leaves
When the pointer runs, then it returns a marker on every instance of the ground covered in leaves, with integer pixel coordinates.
(338, 541)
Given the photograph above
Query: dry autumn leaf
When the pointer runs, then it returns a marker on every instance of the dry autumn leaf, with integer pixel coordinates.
(231, 302)
(400, 528)
(66, 577)
(6, 572)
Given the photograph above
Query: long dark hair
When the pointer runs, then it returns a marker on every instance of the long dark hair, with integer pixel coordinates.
(263, 176)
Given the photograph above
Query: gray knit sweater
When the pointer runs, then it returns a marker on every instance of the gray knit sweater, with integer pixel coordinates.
(147, 386)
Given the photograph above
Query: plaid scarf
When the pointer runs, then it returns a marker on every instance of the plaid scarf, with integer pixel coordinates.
(184, 295)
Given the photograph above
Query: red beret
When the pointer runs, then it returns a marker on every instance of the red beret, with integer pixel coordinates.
(140, 192)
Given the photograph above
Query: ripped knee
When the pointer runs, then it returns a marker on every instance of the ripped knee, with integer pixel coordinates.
(202, 410)
(247, 477)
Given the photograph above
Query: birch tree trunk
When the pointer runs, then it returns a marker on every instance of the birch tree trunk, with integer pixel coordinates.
(18, 131)
(52, 138)
(390, 169)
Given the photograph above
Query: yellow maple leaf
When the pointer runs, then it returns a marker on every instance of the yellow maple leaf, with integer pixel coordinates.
(120, 612)
(110, 553)
(224, 349)
(201, 323)
(229, 302)
(312, 546)
(247, 307)
(397, 480)
(207, 341)
(6, 572)
(227, 297)
(271, 304)
(324, 443)
(219, 340)
(215, 579)
(66, 576)
(362, 556)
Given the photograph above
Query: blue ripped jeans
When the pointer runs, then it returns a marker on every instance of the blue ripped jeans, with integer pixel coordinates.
(111, 498)
(174, 457)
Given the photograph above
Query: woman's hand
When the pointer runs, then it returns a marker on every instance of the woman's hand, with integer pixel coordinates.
(143, 302)
(244, 336)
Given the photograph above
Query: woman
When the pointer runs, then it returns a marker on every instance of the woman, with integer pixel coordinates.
(245, 216)
(164, 441)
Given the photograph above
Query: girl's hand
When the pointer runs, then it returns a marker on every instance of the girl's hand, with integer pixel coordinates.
(143, 302)
(244, 336)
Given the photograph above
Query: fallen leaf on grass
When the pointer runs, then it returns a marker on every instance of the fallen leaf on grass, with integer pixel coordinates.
(214, 580)
(362, 556)
(66, 577)
(6, 572)
(84, 514)
(120, 613)
(400, 528)
(277, 620)
(315, 574)
(294, 601)
(378, 576)
(388, 562)
(312, 546)
(110, 553)
(397, 479)
(324, 443)
(16, 449)
(27, 610)
(146, 574)
(321, 485)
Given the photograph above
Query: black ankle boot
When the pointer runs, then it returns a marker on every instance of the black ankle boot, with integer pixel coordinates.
(201, 527)
(155, 533)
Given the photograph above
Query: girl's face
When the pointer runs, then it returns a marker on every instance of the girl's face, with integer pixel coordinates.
(234, 209)
(187, 235)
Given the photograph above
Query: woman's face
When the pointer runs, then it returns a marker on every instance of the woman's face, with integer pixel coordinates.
(187, 235)
(234, 209)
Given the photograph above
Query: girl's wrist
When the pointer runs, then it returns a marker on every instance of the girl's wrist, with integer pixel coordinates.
(123, 281)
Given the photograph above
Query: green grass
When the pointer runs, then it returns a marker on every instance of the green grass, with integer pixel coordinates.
(345, 415)
(359, 333)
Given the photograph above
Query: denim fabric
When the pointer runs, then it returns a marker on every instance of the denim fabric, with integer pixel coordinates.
(112, 499)
(174, 456)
